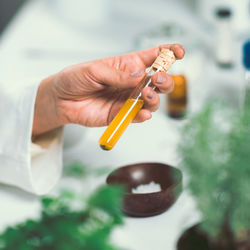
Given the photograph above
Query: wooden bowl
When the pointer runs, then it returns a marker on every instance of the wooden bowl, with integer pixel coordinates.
(147, 204)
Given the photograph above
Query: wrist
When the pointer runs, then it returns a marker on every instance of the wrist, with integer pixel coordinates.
(46, 116)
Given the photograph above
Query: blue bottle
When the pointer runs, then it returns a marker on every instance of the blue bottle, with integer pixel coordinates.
(246, 64)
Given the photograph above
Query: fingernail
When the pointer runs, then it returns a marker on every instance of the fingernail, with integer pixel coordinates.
(148, 116)
(160, 78)
(137, 73)
(150, 95)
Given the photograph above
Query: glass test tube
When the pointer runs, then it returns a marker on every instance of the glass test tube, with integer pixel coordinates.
(135, 102)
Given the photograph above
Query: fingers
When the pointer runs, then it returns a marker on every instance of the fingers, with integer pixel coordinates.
(110, 76)
(149, 55)
(164, 82)
(151, 99)
(177, 49)
(142, 116)
(114, 76)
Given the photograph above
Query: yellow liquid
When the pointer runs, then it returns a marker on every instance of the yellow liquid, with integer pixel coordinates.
(119, 124)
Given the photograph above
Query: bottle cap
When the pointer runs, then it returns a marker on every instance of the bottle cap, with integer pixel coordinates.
(246, 55)
(223, 13)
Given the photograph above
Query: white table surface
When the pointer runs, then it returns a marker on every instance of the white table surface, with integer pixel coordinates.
(39, 42)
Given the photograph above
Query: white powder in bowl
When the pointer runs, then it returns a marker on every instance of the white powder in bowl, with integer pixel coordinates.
(151, 187)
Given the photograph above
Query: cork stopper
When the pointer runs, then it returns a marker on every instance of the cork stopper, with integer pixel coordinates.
(164, 61)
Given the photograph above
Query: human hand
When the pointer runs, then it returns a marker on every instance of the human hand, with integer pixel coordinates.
(91, 93)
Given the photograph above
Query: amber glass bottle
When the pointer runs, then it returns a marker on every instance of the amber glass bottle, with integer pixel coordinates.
(177, 100)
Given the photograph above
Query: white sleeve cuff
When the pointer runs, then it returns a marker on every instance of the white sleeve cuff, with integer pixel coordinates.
(46, 161)
(34, 168)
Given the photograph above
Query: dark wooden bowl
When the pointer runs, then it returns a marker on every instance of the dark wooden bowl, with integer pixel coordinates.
(147, 204)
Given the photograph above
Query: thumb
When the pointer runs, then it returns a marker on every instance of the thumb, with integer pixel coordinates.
(110, 76)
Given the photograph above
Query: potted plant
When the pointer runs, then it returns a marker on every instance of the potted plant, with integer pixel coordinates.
(215, 150)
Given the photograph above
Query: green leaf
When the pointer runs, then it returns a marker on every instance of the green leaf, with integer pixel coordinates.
(62, 227)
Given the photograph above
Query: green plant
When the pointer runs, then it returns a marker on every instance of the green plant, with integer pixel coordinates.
(215, 154)
(78, 170)
(68, 222)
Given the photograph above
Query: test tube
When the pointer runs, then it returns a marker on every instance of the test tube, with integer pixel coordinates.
(135, 102)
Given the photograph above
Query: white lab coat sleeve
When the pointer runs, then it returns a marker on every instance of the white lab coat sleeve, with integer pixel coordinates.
(34, 167)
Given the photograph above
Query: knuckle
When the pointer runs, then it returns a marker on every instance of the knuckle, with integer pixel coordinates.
(91, 68)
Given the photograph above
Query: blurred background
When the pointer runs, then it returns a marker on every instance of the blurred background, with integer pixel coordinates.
(8, 10)
(40, 37)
